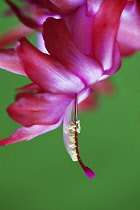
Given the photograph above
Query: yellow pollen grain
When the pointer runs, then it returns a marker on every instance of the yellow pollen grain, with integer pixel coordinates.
(73, 128)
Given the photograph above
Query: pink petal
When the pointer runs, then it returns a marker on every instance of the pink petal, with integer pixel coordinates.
(25, 134)
(68, 4)
(47, 7)
(27, 90)
(10, 61)
(101, 87)
(22, 17)
(59, 44)
(93, 6)
(129, 29)
(46, 71)
(13, 34)
(38, 108)
(89, 103)
(30, 87)
(82, 95)
(82, 40)
(125, 50)
(105, 28)
(105, 86)
(40, 43)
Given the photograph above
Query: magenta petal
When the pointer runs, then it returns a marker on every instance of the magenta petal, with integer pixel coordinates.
(82, 40)
(129, 28)
(67, 4)
(126, 50)
(10, 61)
(104, 34)
(46, 71)
(25, 20)
(25, 134)
(93, 6)
(13, 34)
(116, 61)
(59, 43)
(84, 94)
(38, 108)
(30, 87)
(48, 8)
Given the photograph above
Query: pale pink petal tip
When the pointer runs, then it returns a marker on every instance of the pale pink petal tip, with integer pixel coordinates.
(89, 173)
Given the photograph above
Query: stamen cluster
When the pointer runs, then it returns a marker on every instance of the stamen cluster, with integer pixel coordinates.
(73, 129)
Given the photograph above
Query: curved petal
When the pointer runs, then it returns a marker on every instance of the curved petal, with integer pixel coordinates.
(25, 20)
(10, 61)
(104, 34)
(125, 50)
(30, 87)
(116, 61)
(46, 71)
(27, 90)
(90, 103)
(84, 94)
(93, 6)
(68, 4)
(81, 39)
(129, 29)
(47, 7)
(25, 134)
(105, 86)
(40, 43)
(13, 34)
(38, 108)
(59, 44)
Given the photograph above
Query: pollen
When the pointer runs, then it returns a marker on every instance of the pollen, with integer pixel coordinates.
(73, 129)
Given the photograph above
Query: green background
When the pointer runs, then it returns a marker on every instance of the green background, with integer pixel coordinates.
(39, 174)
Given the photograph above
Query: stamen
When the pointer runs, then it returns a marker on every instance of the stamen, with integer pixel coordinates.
(74, 128)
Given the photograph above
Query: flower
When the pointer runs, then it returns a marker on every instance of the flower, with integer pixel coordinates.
(36, 9)
(58, 84)
(62, 79)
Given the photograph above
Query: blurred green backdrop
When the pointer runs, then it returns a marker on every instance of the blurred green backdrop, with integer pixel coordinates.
(39, 174)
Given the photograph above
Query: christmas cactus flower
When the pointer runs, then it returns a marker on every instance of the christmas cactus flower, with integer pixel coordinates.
(63, 78)
(58, 84)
